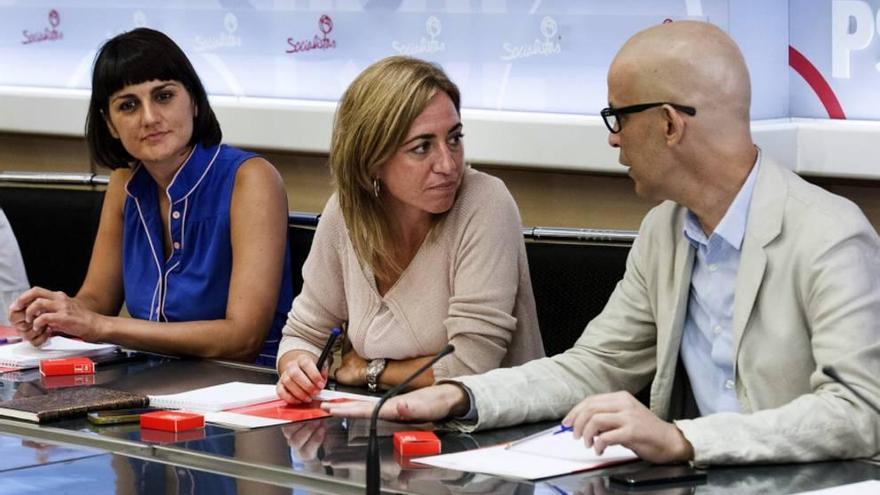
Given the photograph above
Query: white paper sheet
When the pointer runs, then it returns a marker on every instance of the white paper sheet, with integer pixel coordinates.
(540, 457)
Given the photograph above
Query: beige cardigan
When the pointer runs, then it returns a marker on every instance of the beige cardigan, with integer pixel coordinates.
(468, 285)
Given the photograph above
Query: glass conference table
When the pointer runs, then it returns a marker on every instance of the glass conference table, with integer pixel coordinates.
(318, 456)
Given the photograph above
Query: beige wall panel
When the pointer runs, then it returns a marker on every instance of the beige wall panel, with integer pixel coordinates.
(27, 152)
(545, 198)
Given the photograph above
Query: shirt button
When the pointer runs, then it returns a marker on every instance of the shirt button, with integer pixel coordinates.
(716, 329)
(729, 384)
(713, 267)
(176, 245)
(175, 215)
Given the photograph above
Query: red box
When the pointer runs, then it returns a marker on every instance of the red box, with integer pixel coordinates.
(410, 443)
(172, 421)
(67, 366)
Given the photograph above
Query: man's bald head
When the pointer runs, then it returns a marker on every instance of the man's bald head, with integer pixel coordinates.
(686, 62)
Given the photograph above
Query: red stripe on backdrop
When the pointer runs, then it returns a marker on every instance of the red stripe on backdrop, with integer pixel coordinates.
(800, 64)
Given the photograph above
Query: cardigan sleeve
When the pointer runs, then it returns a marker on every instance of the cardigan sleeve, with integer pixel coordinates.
(485, 279)
(602, 360)
(321, 305)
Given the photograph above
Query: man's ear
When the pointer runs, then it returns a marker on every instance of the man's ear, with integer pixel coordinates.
(675, 125)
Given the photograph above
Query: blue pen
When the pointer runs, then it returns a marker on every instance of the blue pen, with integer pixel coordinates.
(551, 431)
(556, 489)
(562, 429)
(9, 340)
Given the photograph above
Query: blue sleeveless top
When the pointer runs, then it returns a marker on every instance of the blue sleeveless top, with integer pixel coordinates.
(192, 284)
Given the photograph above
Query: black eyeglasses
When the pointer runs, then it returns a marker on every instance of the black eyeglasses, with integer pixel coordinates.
(612, 122)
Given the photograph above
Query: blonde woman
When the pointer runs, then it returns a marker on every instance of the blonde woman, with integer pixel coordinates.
(414, 250)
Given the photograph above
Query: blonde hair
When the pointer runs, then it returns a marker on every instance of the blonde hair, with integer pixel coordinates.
(371, 123)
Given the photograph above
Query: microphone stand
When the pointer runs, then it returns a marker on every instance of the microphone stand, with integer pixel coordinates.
(373, 478)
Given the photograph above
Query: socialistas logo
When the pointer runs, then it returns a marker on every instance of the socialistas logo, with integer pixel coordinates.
(227, 39)
(323, 42)
(549, 46)
(49, 33)
(431, 44)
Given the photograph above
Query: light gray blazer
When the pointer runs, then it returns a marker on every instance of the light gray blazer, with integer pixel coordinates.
(807, 295)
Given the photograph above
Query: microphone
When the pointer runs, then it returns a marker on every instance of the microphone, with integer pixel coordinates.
(373, 479)
(831, 372)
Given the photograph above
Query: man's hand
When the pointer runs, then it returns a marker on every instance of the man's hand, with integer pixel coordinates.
(433, 403)
(620, 419)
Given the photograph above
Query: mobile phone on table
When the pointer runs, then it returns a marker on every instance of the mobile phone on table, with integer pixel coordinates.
(118, 416)
(660, 475)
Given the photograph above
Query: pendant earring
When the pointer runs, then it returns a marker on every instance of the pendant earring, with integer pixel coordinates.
(376, 187)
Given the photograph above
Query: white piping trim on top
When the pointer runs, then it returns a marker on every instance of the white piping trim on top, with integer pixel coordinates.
(164, 276)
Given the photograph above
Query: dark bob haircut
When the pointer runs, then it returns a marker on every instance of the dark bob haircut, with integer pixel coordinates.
(135, 57)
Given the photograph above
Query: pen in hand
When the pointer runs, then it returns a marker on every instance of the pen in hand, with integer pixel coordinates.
(556, 430)
(322, 359)
(563, 429)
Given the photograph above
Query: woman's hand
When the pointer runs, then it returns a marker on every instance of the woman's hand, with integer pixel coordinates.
(38, 313)
(305, 438)
(300, 379)
(353, 370)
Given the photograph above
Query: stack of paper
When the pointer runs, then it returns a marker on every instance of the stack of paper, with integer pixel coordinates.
(217, 398)
(249, 405)
(280, 412)
(23, 355)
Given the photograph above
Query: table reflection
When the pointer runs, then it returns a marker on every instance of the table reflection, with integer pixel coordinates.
(115, 474)
(771, 479)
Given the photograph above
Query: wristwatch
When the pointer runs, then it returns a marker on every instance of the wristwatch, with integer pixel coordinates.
(374, 369)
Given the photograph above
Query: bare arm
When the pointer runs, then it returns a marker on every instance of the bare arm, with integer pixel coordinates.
(102, 290)
(354, 371)
(258, 220)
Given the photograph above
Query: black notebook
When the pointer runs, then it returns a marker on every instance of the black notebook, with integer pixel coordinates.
(68, 403)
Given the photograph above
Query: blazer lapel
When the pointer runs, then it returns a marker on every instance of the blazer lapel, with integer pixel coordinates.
(669, 332)
(764, 225)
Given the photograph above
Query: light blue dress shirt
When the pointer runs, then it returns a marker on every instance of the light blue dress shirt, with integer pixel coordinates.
(707, 342)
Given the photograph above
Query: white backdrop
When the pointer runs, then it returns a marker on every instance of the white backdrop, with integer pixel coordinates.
(532, 72)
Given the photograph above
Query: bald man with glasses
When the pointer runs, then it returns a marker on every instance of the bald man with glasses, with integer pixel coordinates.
(741, 286)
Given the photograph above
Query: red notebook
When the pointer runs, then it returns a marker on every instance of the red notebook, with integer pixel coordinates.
(278, 409)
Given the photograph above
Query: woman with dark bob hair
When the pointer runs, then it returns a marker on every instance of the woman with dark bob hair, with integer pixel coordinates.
(414, 251)
(193, 233)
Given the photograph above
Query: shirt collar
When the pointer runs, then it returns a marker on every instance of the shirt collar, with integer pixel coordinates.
(187, 178)
(732, 227)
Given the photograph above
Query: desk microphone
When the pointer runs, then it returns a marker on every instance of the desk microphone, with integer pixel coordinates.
(828, 370)
(373, 479)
